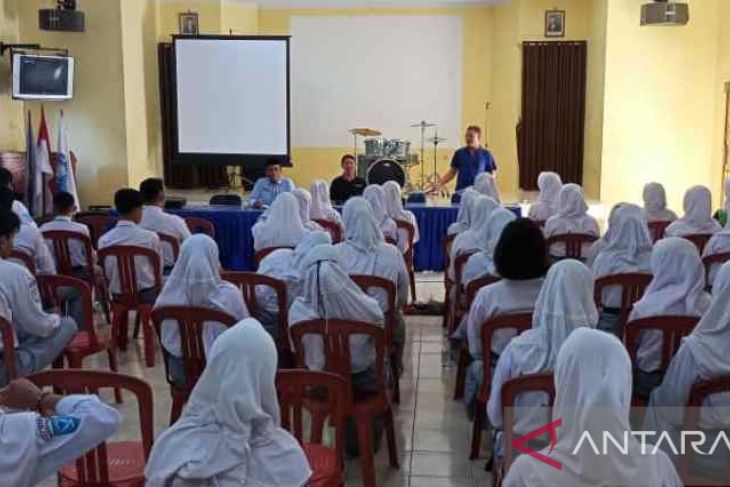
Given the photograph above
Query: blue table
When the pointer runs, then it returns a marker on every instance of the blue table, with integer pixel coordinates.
(233, 233)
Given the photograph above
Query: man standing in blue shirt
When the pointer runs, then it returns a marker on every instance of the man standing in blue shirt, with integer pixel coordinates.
(468, 162)
(268, 188)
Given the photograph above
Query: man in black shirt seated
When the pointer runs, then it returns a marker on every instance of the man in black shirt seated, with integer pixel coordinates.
(349, 184)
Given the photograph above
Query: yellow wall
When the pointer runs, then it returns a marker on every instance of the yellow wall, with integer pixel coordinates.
(11, 112)
(723, 77)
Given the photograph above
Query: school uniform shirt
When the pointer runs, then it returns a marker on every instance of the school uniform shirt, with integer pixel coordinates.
(76, 250)
(128, 233)
(30, 241)
(20, 303)
(697, 218)
(156, 220)
(22, 212)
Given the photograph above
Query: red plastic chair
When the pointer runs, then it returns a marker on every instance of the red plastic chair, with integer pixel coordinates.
(109, 464)
(657, 229)
(11, 362)
(573, 242)
(711, 261)
(448, 241)
(247, 282)
(368, 283)
(457, 308)
(190, 321)
(335, 335)
(699, 239)
(259, 255)
(333, 228)
(98, 223)
(172, 242)
(672, 328)
(324, 396)
(408, 256)
(200, 225)
(699, 393)
(23, 259)
(128, 299)
(632, 287)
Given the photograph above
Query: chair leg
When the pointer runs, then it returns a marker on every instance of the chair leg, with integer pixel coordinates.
(447, 307)
(412, 278)
(103, 292)
(112, 354)
(396, 380)
(461, 374)
(365, 440)
(149, 338)
(119, 328)
(390, 436)
(136, 325)
(176, 410)
(476, 434)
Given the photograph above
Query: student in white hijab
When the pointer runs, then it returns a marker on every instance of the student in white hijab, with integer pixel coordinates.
(572, 217)
(304, 198)
(196, 281)
(394, 207)
(546, 205)
(627, 249)
(593, 393)
(697, 218)
(718, 244)
(375, 195)
(486, 184)
(482, 263)
(565, 304)
(655, 204)
(463, 217)
(677, 289)
(321, 204)
(230, 432)
(283, 226)
(702, 356)
(597, 246)
(469, 240)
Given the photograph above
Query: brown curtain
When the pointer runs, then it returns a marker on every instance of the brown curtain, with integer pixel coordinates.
(550, 135)
(180, 176)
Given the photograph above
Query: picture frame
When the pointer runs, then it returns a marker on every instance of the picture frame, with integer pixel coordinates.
(189, 23)
(555, 23)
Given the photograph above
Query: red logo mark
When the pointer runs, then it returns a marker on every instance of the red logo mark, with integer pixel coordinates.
(520, 444)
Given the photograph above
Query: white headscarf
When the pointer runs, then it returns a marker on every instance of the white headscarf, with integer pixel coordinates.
(697, 216)
(362, 232)
(546, 205)
(310, 241)
(486, 184)
(283, 226)
(626, 246)
(375, 195)
(571, 203)
(394, 207)
(463, 218)
(321, 204)
(229, 434)
(497, 220)
(304, 198)
(468, 241)
(655, 203)
(565, 303)
(572, 215)
(593, 383)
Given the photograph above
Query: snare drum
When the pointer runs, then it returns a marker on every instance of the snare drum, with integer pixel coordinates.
(386, 170)
(396, 149)
(374, 148)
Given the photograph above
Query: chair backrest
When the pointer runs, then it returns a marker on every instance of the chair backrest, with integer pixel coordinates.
(713, 260)
(323, 395)
(632, 287)
(23, 259)
(672, 328)
(459, 264)
(93, 468)
(190, 322)
(447, 243)
(98, 223)
(657, 229)
(172, 242)
(200, 225)
(59, 240)
(52, 289)
(474, 286)
(573, 242)
(11, 363)
(259, 255)
(225, 200)
(410, 231)
(333, 228)
(366, 283)
(518, 322)
(125, 256)
(699, 239)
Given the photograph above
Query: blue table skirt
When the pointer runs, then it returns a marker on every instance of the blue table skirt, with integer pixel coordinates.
(233, 233)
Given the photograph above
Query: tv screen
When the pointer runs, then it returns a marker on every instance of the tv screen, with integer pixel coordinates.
(42, 77)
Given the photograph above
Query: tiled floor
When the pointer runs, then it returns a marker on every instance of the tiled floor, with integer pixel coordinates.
(433, 433)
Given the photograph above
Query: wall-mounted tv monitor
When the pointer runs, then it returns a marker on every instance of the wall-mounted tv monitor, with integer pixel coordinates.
(43, 77)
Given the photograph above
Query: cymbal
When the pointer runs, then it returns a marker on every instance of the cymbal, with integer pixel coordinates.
(365, 132)
(437, 140)
(423, 125)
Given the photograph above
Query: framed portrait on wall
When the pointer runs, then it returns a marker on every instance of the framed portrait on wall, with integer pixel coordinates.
(189, 23)
(555, 23)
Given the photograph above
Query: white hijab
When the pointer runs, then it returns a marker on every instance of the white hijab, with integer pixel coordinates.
(229, 433)
(571, 203)
(565, 304)
(497, 220)
(655, 203)
(572, 215)
(304, 198)
(394, 207)
(697, 216)
(468, 241)
(486, 184)
(283, 226)
(362, 232)
(321, 204)
(463, 218)
(375, 195)
(309, 242)
(627, 245)
(593, 384)
(546, 205)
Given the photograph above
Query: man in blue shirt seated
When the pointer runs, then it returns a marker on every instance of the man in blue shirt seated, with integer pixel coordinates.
(468, 162)
(268, 188)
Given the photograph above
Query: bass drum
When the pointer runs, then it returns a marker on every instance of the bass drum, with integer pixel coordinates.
(386, 170)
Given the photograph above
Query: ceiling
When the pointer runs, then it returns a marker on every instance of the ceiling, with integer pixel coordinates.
(333, 4)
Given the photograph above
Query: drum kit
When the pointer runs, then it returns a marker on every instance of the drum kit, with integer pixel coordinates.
(391, 159)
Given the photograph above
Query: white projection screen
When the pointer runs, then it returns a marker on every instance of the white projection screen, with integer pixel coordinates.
(232, 99)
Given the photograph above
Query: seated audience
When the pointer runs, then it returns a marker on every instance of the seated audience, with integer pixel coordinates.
(718, 244)
(196, 281)
(546, 205)
(655, 204)
(486, 184)
(348, 184)
(597, 246)
(304, 199)
(283, 226)
(697, 218)
(572, 217)
(156, 220)
(64, 207)
(469, 240)
(266, 189)
(39, 337)
(463, 218)
(6, 181)
(481, 264)
(593, 386)
(229, 433)
(321, 205)
(375, 195)
(394, 207)
(43, 432)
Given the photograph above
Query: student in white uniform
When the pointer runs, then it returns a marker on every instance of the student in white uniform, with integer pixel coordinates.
(43, 432)
(321, 204)
(481, 264)
(546, 205)
(6, 181)
(28, 239)
(655, 204)
(64, 207)
(597, 246)
(463, 217)
(627, 249)
(677, 289)
(394, 207)
(156, 220)
(128, 203)
(283, 226)
(40, 337)
(697, 218)
(718, 244)
(375, 195)
(486, 184)
(565, 304)
(703, 355)
(593, 386)
(572, 217)
(230, 434)
(304, 199)
(196, 281)
(469, 240)
(521, 260)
